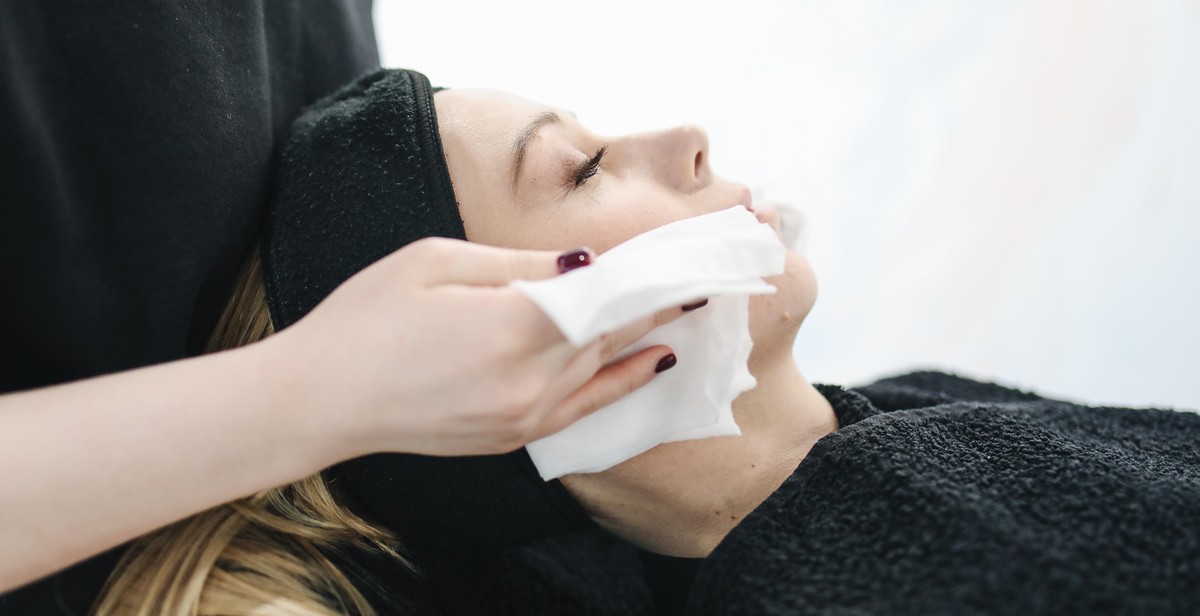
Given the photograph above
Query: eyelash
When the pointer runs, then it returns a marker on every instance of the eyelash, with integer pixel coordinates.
(588, 169)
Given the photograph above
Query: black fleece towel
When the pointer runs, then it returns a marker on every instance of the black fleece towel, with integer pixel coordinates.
(941, 495)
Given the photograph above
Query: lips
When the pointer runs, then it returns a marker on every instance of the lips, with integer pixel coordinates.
(745, 198)
(766, 215)
(769, 216)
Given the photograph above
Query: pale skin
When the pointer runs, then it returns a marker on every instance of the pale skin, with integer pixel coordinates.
(380, 365)
(678, 499)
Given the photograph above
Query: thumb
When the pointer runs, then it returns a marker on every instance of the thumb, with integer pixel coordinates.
(446, 261)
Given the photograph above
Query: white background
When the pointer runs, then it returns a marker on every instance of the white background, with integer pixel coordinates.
(1009, 190)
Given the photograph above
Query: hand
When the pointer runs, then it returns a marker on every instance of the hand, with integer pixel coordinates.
(428, 351)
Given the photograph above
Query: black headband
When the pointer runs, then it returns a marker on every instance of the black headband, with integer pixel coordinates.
(363, 174)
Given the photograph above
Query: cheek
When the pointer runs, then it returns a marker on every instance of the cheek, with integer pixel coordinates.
(615, 212)
(610, 214)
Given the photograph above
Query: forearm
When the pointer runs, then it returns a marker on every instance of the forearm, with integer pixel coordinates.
(92, 464)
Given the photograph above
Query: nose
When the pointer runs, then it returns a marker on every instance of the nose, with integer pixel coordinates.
(677, 156)
(690, 156)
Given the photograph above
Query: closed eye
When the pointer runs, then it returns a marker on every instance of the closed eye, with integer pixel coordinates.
(580, 176)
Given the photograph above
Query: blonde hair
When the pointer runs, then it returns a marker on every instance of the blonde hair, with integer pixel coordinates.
(267, 554)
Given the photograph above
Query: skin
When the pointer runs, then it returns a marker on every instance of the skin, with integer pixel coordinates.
(100, 459)
(678, 499)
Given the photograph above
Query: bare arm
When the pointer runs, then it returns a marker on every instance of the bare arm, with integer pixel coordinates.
(399, 358)
(104, 460)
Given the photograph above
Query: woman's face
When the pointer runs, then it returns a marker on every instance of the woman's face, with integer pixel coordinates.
(531, 176)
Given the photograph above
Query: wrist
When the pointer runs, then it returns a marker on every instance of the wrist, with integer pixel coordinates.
(304, 428)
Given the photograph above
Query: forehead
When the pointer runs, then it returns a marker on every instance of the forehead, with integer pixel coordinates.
(483, 118)
(479, 129)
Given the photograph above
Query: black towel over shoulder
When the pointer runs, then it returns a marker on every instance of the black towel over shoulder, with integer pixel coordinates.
(942, 495)
(937, 495)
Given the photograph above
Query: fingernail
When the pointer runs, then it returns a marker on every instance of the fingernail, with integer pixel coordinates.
(665, 363)
(700, 304)
(568, 261)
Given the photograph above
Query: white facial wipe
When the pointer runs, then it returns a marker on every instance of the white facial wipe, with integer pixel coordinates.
(721, 256)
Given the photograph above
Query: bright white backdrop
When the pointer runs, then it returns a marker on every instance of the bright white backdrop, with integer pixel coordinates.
(1010, 190)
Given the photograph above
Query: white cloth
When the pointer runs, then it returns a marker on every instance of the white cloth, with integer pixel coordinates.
(721, 256)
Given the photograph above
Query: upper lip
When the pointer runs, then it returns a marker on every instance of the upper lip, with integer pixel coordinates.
(745, 198)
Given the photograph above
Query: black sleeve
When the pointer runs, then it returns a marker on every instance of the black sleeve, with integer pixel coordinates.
(137, 140)
(136, 143)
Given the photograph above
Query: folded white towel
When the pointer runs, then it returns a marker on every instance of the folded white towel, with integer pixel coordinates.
(721, 256)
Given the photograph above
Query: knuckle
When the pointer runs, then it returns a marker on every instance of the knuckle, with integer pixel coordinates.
(430, 248)
(515, 434)
(514, 265)
(509, 412)
(519, 401)
(588, 406)
(609, 345)
(507, 440)
(500, 447)
(421, 247)
(526, 327)
(507, 341)
(513, 441)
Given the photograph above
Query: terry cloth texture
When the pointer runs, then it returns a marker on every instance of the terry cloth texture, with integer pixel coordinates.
(137, 142)
(942, 495)
(362, 175)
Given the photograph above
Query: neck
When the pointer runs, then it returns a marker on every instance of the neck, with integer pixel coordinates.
(681, 499)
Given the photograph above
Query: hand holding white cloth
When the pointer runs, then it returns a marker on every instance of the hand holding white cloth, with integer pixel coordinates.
(721, 256)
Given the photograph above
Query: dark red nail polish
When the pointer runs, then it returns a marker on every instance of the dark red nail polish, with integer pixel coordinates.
(568, 261)
(700, 304)
(665, 363)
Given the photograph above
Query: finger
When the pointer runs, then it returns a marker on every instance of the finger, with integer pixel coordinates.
(611, 344)
(446, 261)
(610, 384)
(579, 366)
(582, 364)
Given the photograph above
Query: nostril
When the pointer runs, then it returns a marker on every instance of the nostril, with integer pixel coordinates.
(699, 162)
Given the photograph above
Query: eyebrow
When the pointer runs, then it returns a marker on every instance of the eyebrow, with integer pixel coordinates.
(521, 145)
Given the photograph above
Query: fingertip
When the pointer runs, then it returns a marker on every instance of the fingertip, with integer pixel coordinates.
(574, 259)
(639, 369)
(610, 384)
(658, 358)
(670, 314)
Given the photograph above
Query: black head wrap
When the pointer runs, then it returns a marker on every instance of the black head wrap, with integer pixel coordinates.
(361, 175)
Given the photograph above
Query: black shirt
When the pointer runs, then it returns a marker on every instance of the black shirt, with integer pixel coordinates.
(136, 143)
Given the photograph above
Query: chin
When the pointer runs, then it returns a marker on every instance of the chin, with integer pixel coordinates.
(775, 319)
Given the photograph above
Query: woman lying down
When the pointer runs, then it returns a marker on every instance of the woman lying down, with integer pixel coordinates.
(920, 494)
